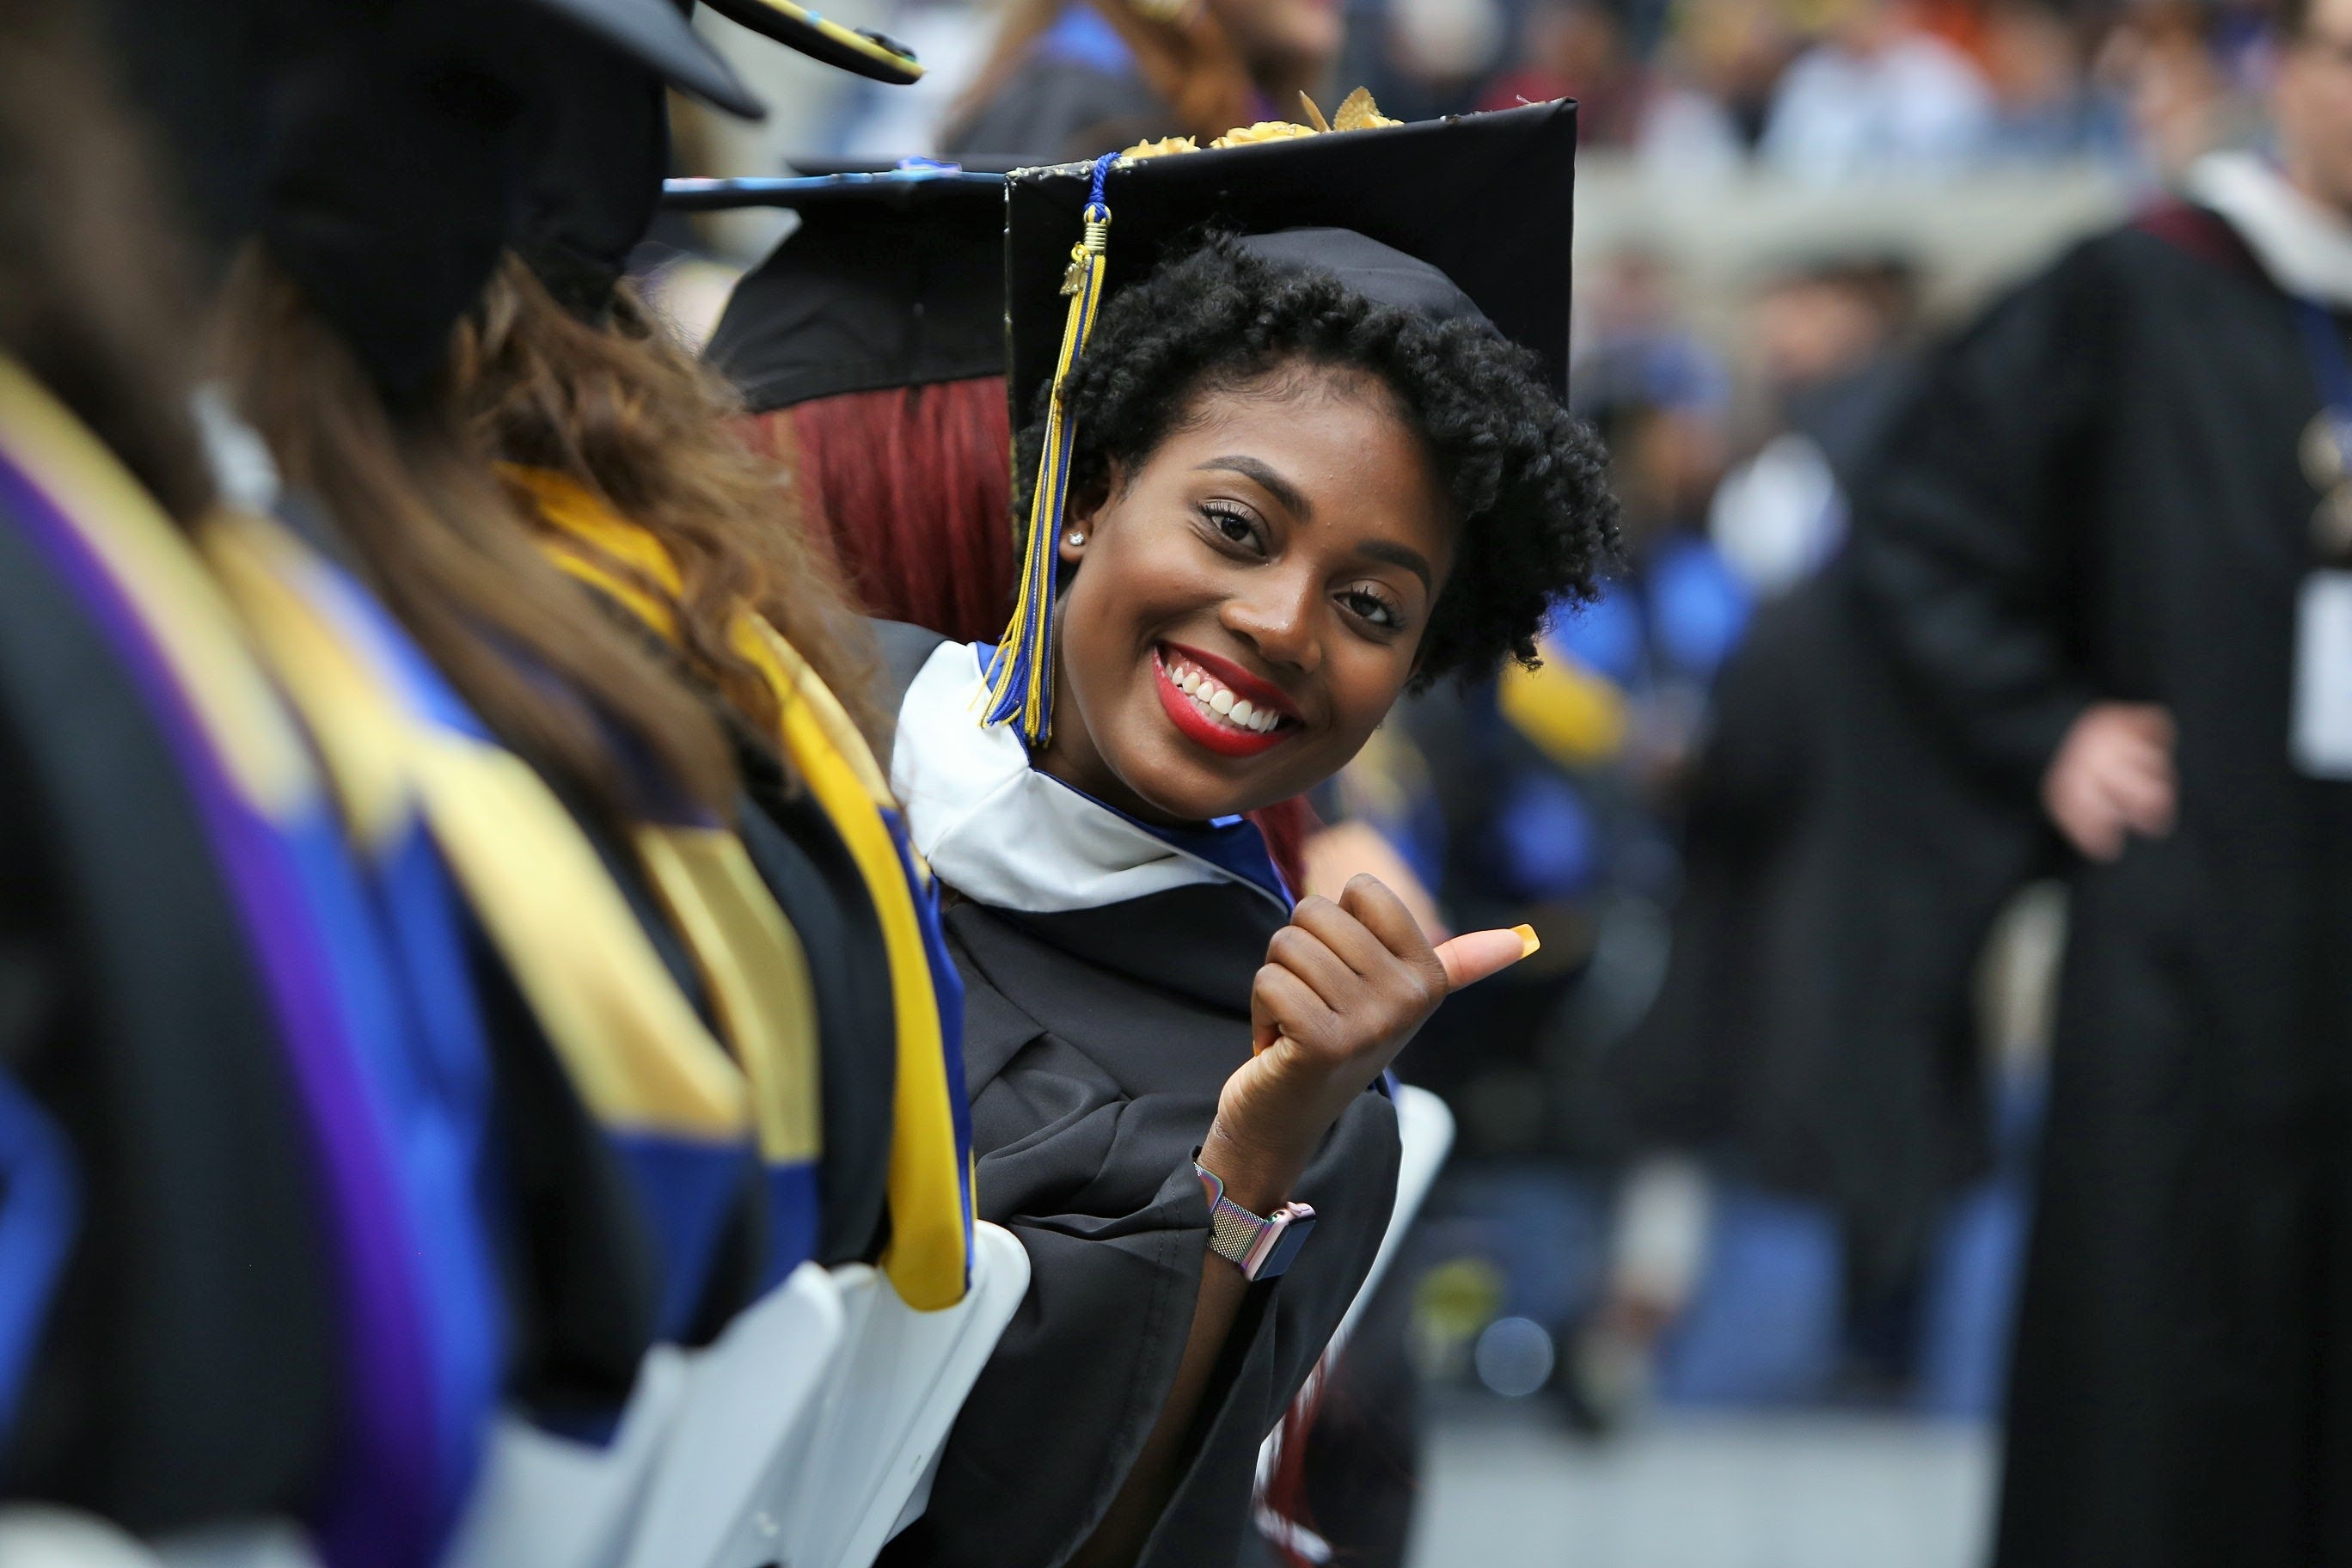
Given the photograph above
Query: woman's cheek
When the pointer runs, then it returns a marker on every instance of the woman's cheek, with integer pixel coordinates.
(1365, 680)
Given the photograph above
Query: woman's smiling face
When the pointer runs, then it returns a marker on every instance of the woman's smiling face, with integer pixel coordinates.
(1249, 601)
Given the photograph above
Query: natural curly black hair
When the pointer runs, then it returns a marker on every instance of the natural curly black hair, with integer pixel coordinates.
(1528, 481)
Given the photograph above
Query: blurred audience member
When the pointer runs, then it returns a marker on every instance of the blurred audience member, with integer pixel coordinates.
(2181, 98)
(1074, 79)
(1660, 399)
(1661, 394)
(1813, 1041)
(2045, 110)
(1632, 346)
(1716, 77)
(1438, 50)
(1566, 774)
(1561, 787)
(1878, 94)
(1563, 790)
(1579, 49)
(1830, 339)
(2107, 542)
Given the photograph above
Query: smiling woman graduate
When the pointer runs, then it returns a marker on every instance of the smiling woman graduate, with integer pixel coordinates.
(1298, 463)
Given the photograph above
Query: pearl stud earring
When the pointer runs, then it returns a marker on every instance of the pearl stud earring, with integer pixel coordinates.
(1076, 538)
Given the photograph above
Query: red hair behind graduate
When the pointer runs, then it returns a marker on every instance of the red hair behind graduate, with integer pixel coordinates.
(912, 488)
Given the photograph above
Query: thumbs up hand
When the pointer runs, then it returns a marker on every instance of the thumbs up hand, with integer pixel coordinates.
(1345, 986)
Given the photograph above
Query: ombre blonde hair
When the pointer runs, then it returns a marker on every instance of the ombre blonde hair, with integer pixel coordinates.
(623, 409)
(415, 500)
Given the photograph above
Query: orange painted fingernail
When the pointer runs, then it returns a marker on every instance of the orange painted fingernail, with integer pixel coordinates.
(1528, 941)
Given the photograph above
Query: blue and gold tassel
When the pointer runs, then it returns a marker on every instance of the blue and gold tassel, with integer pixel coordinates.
(1021, 686)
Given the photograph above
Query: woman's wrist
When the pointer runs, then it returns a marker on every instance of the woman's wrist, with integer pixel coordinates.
(1260, 1180)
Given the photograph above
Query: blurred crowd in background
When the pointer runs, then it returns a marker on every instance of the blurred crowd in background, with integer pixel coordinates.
(1840, 89)
(1820, 90)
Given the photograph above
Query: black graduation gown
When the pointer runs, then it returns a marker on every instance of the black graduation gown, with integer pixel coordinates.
(1094, 1044)
(1842, 865)
(2097, 495)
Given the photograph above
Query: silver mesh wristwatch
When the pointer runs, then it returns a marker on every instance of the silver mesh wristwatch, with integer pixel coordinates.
(1263, 1245)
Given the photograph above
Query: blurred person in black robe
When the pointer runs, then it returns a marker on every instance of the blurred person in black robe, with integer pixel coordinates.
(1817, 1027)
(1816, 1024)
(2097, 540)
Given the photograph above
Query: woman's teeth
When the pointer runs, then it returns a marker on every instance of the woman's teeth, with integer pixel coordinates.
(1215, 700)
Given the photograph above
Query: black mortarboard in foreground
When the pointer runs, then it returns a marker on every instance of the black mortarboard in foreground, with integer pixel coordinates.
(205, 75)
(1484, 199)
(1468, 216)
(199, 76)
(861, 51)
(664, 41)
(894, 278)
(603, 146)
(397, 151)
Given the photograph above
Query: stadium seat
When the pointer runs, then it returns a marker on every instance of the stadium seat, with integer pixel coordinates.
(39, 1535)
(861, 1469)
(1425, 1129)
(748, 1398)
(681, 1465)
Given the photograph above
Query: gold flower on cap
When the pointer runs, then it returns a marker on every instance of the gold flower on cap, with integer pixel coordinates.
(1358, 112)
(1264, 130)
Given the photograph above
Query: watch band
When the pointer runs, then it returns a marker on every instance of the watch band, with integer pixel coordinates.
(1262, 1245)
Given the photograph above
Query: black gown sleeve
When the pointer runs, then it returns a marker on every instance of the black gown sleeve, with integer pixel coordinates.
(905, 650)
(1097, 1185)
(1967, 532)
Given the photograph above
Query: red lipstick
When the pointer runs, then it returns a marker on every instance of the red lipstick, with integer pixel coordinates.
(1213, 731)
(1263, 694)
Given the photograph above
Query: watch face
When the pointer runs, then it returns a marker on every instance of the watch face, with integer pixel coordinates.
(1286, 1245)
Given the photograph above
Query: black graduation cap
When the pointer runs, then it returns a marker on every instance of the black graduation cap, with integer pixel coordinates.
(859, 50)
(894, 278)
(1485, 199)
(207, 75)
(1465, 216)
(661, 39)
(397, 148)
(604, 147)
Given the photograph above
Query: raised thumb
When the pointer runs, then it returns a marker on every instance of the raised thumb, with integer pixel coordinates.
(1473, 955)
